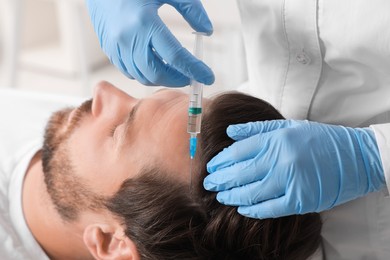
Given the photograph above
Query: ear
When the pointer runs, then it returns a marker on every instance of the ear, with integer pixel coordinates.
(107, 242)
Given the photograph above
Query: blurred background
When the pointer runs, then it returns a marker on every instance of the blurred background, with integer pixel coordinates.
(50, 46)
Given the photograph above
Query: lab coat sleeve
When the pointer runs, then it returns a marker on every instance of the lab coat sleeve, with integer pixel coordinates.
(382, 135)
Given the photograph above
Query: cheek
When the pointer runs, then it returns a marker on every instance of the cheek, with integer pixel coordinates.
(91, 160)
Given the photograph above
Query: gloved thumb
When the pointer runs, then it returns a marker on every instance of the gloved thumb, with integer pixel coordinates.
(194, 13)
(242, 131)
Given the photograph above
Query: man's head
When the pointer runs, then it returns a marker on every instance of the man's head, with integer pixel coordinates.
(120, 166)
(118, 133)
(90, 151)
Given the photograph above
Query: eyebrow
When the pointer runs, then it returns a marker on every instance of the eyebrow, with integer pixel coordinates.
(129, 121)
(131, 116)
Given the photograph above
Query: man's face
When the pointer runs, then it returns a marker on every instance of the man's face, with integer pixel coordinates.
(113, 138)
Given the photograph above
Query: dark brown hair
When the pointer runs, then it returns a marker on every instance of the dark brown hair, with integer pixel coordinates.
(167, 221)
(228, 234)
(159, 216)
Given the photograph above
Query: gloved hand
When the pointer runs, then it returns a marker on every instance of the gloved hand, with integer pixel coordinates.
(285, 167)
(137, 41)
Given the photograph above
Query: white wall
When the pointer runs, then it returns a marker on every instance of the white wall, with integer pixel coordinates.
(49, 60)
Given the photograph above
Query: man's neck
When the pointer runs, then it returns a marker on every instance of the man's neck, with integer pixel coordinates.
(59, 239)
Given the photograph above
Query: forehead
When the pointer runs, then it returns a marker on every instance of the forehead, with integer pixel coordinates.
(160, 133)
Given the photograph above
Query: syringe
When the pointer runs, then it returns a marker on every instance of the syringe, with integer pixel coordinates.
(196, 95)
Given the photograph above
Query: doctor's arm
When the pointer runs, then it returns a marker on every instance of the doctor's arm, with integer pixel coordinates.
(141, 46)
(286, 167)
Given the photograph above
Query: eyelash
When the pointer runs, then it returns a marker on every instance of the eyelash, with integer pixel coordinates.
(112, 130)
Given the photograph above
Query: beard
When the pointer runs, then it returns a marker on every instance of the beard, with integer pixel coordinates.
(68, 192)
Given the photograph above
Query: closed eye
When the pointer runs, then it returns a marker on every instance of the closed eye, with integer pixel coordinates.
(131, 116)
(112, 130)
(128, 120)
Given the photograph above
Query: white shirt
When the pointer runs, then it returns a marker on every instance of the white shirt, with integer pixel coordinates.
(328, 61)
(23, 117)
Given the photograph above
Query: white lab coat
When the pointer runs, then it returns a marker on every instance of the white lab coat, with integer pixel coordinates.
(328, 61)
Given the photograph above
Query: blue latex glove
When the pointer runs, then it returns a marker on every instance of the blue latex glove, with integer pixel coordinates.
(137, 41)
(285, 167)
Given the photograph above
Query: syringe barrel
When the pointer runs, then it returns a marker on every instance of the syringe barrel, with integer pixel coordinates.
(196, 89)
(194, 124)
(196, 92)
(195, 108)
(196, 95)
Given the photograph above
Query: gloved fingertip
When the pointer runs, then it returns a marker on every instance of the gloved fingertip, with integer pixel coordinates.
(232, 131)
(246, 212)
(205, 75)
(220, 198)
(208, 28)
(209, 80)
(237, 132)
(211, 168)
(243, 211)
(209, 185)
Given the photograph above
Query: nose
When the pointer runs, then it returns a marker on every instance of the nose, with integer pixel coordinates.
(108, 99)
